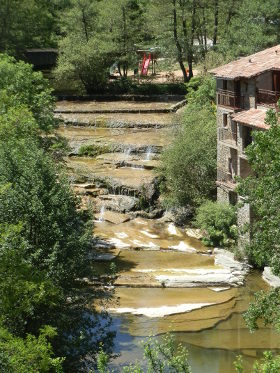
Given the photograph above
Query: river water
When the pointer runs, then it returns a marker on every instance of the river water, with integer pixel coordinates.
(154, 259)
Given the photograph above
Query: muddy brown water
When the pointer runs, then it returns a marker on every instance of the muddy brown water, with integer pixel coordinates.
(207, 320)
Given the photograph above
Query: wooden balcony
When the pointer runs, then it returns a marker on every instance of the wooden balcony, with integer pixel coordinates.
(227, 136)
(267, 98)
(229, 99)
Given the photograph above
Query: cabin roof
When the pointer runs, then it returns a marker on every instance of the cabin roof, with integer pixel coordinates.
(253, 65)
(253, 118)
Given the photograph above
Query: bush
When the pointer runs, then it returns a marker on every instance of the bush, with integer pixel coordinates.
(92, 150)
(189, 165)
(218, 221)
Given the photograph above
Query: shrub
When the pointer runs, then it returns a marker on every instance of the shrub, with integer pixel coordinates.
(189, 166)
(218, 221)
(91, 150)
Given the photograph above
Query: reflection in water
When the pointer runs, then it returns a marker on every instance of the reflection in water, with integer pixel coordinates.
(213, 348)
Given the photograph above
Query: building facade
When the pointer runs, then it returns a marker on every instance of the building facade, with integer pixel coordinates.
(246, 88)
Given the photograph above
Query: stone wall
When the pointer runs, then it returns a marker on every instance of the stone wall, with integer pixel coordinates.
(244, 219)
(235, 152)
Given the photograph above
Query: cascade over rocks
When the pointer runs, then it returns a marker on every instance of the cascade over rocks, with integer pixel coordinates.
(113, 170)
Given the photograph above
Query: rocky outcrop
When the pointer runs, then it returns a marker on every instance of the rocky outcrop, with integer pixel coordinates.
(270, 278)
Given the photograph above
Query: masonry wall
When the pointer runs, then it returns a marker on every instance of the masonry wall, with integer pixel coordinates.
(225, 151)
(244, 219)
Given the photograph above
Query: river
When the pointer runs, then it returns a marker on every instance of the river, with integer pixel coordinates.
(167, 280)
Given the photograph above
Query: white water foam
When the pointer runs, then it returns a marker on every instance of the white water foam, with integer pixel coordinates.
(162, 311)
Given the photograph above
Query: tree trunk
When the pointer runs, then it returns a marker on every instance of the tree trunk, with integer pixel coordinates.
(216, 21)
(190, 49)
(177, 42)
(85, 24)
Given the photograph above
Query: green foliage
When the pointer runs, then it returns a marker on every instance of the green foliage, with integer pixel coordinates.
(268, 364)
(255, 26)
(219, 222)
(20, 85)
(50, 253)
(28, 24)
(45, 238)
(160, 356)
(29, 355)
(238, 364)
(262, 191)
(189, 164)
(266, 308)
(85, 50)
(92, 150)
(43, 204)
(25, 291)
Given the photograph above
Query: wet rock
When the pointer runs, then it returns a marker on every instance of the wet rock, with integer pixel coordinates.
(238, 269)
(270, 278)
(118, 203)
(201, 278)
(154, 214)
(194, 233)
(113, 217)
(179, 216)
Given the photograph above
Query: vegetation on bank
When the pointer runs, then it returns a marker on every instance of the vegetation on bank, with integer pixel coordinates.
(219, 223)
(188, 170)
(159, 356)
(45, 240)
(262, 191)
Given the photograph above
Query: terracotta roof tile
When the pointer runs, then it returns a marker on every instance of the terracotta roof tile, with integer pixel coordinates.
(252, 117)
(247, 67)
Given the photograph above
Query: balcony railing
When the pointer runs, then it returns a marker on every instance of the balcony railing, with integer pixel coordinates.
(226, 177)
(228, 136)
(268, 98)
(229, 98)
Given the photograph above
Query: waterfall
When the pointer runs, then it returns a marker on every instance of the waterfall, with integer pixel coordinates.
(102, 211)
(127, 152)
(148, 153)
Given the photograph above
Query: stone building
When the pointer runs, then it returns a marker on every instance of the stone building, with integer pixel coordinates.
(246, 88)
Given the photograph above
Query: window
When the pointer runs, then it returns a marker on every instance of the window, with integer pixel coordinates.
(225, 85)
(232, 198)
(247, 136)
(225, 120)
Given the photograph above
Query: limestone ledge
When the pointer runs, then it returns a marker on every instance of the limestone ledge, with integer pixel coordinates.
(270, 278)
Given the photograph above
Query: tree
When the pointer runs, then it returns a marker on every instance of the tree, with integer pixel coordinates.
(160, 356)
(19, 85)
(175, 29)
(253, 27)
(262, 191)
(27, 24)
(126, 24)
(189, 164)
(85, 50)
(45, 239)
(29, 355)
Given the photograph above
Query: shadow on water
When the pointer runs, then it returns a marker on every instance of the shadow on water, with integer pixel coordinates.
(121, 265)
